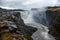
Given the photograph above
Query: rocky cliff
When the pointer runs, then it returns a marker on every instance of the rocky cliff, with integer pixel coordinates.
(53, 17)
(15, 24)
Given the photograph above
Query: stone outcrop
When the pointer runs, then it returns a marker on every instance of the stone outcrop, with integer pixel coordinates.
(53, 17)
(13, 22)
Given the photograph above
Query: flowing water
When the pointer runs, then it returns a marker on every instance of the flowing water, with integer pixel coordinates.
(42, 32)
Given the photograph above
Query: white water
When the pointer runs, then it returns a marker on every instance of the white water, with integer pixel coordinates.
(42, 32)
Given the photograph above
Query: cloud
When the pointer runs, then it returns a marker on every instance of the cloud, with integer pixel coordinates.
(12, 4)
(26, 4)
(31, 2)
(41, 2)
(58, 3)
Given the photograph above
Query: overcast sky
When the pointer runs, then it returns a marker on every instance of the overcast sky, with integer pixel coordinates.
(27, 4)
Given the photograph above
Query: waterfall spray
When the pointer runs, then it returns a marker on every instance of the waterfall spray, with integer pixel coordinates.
(31, 20)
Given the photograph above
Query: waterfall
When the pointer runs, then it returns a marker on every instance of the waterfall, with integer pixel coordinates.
(36, 15)
(35, 19)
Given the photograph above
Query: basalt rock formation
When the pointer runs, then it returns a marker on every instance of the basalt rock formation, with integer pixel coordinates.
(53, 17)
(12, 25)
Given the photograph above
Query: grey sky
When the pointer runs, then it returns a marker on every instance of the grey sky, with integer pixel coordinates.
(26, 4)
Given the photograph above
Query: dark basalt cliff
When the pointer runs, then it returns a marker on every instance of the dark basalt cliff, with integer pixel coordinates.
(15, 19)
(53, 17)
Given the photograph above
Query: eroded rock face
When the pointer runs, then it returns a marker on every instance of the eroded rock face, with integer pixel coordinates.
(15, 24)
(53, 16)
(26, 30)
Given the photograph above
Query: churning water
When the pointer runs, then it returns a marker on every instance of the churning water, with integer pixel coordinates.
(34, 18)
